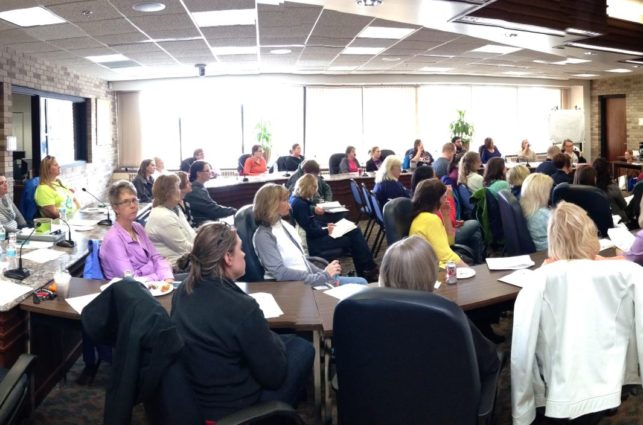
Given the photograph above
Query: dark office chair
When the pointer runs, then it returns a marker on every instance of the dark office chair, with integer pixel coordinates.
(633, 209)
(517, 238)
(378, 217)
(14, 387)
(464, 195)
(385, 152)
(333, 163)
(398, 215)
(242, 162)
(360, 203)
(420, 366)
(28, 206)
(591, 199)
(244, 221)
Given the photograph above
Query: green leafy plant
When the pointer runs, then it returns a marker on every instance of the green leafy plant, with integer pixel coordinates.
(462, 129)
(264, 138)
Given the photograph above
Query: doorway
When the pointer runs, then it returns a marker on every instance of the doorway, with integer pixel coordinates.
(613, 126)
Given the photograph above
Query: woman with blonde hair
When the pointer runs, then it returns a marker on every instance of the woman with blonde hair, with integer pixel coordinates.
(534, 199)
(166, 226)
(318, 234)
(232, 359)
(387, 185)
(468, 171)
(51, 194)
(516, 177)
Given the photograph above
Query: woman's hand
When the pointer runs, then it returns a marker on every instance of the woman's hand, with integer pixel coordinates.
(319, 210)
(445, 208)
(333, 268)
(331, 226)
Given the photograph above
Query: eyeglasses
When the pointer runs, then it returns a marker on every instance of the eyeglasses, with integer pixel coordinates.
(128, 202)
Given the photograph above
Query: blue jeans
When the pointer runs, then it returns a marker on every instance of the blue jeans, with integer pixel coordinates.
(300, 354)
(470, 234)
(351, 279)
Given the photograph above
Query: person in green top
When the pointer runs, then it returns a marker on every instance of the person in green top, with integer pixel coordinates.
(494, 176)
(51, 194)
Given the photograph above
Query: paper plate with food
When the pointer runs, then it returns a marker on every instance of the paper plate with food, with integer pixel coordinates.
(158, 288)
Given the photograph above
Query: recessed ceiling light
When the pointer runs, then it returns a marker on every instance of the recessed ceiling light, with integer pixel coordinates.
(148, 6)
(585, 75)
(385, 32)
(234, 50)
(496, 48)
(107, 58)
(280, 51)
(31, 17)
(342, 68)
(619, 70)
(363, 50)
(571, 61)
(86, 12)
(218, 18)
(434, 69)
(604, 48)
(390, 59)
(588, 53)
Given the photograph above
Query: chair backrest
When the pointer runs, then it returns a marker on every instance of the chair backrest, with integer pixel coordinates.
(517, 238)
(357, 194)
(633, 209)
(591, 199)
(93, 268)
(282, 163)
(28, 206)
(464, 195)
(386, 152)
(374, 205)
(398, 214)
(408, 336)
(367, 201)
(244, 221)
(14, 387)
(242, 162)
(333, 162)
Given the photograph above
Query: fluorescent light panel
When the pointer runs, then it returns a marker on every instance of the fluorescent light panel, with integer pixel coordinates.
(363, 50)
(218, 18)
(604, 48)
(571, 61)
(476, 20)
(434, 69)
(619, 70)
(31, 17)
(385, 32)
(107, 58)
(280, 51)
(496, 48)
(585, 75)
(234, 50)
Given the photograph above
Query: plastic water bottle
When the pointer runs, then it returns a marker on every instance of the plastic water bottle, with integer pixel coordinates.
(69, 205)
(11, 253)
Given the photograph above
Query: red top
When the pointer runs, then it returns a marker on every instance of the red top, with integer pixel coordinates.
(254, 166)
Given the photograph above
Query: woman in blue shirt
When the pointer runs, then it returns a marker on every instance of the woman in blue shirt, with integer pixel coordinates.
(489, 151)
(387, 185)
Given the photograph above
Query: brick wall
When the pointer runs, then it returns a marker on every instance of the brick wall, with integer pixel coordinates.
(24, 70)
(632, 88)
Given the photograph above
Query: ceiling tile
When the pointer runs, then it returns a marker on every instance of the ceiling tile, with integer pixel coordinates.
(165, 34)
(151, 23)
(373, 42)
(206, 5)
(93, 51)
(107, 27)
(128, 49)
(234, 35)
(17, 4)
(180, 46)
(55, 32)
(351, 60)
(35, 47)
(286, 24)
(76, 43)
(237, 58)
(119, 39)
(125, 7)
(85, 11)
(194, 59)
(336, 28)
(14, 36)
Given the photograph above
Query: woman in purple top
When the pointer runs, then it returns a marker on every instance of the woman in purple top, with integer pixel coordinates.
(126, 246)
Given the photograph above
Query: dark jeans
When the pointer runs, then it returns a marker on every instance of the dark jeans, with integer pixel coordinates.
(470, 234)
(300, 354)
(352, 242)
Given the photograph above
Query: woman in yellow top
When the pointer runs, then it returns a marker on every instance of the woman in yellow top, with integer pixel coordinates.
(431, 209)
(51, 194)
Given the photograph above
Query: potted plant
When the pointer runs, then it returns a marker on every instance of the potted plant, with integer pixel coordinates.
(462, 129)
(264, 138)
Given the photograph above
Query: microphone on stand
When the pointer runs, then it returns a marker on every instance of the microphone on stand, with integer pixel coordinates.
(69, 243)
(21, 273)
(108, 220)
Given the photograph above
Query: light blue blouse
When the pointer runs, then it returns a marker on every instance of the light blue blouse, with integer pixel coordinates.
(537, 225)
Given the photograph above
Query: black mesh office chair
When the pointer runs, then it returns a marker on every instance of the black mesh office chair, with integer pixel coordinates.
(407, 357)
(386, 152)
(591, 199)
(14, 387)
(333, 163)
(242, 162)
(398, 215)
(244, 221)
(517, 238)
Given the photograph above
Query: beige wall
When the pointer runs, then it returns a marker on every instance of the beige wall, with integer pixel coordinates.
(27, 71)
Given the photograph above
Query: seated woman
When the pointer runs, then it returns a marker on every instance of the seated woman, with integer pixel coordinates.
(468, 171)
(568, 149)
(431, 211)
(278, 246)
(232, 359)
(534, 199)
(375, 162)
(387, 185)
(126, 247)
(573, 326)
(349, 164)
(166, 226)
(494, 176)
(411, 264)
(489, 151)
(417, 156)
(10, 217)
(517, 175)
(185, 186)
(292, 161)
(614, 194)
(526, 154)
(319, 238)
(144, 181)
(256, 163)
(585, 175)
(51, 194)
(629, 156)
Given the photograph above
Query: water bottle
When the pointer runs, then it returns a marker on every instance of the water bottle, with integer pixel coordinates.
(69, 205)
(11, 252)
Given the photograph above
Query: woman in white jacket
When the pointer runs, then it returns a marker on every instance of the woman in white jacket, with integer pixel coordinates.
(167, 226)
(574, 326)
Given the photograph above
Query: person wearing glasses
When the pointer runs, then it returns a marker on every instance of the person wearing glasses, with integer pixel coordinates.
(126, 247)
(256, 163)
(10, 217)
(51, 193)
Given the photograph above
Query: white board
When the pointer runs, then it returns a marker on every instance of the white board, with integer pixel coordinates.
(567, 124)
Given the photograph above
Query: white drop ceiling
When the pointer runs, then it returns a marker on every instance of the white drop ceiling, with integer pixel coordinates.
(169, 43)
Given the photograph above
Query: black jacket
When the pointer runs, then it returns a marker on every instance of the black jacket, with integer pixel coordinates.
(127, 317)
(230, 353)
(143, 188)
(203, 206)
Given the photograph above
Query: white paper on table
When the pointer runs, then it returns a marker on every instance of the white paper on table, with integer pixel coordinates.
(621, 237)
(42, 256)
(9, 291)
(518, 278)
(79, 303)
(606, 243)
(616, 219)
(510, 263)
(342, 227)
(267, 304)
(344, 291)
(37, 245)
(329, 205)
(628, 199)
(83, 228)
(82, 223)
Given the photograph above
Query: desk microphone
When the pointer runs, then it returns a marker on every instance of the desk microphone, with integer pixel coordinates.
(108, 220)
(21, 273)
(69, 243)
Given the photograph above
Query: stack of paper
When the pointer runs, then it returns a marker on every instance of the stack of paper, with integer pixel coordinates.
(267, 304)
(510, 263)
(42, 256)
(621, 237)
(332, 207)
(518, 278)
(342, 227)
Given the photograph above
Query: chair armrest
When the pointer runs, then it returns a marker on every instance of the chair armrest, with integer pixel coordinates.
(318, 261)
(488, 391)
(15, 374)
(463, 250)
(260, 411)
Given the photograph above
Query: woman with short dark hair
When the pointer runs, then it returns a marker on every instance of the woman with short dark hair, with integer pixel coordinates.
(494, 175)
(489, 151)
(256, 163)
(349, 164)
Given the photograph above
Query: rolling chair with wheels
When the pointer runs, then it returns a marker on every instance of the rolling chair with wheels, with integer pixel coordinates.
(14, 388)
(333, 162)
